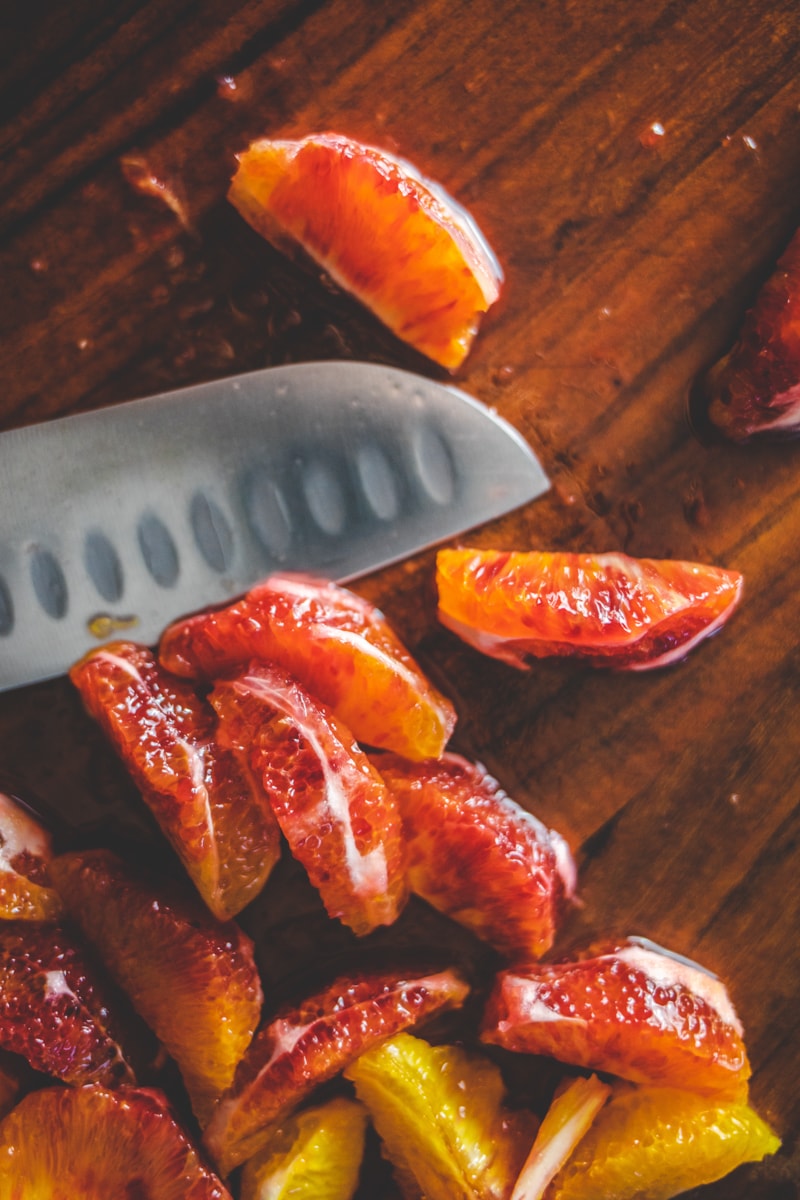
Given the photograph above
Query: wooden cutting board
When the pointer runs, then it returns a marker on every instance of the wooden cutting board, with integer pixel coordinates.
(637, 169)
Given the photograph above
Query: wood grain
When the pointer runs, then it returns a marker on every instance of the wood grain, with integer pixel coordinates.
(630, 260)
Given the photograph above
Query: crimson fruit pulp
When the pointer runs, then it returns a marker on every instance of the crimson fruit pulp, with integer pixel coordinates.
(25, 851)
(209, 808)
(192, 978)
(55, 1009)
(460, 828)
(308, 1044)
(607, 609)
(339, 646)
(394, 239)
(338, 818)
(633, 1010)
(61, 1144)
(755, 389)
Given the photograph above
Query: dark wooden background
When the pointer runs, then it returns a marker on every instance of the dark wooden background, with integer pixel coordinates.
(630, 259)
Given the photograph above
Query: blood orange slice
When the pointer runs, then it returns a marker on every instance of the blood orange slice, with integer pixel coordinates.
(755, 390)
(394, 239)
(460, 826)
(653, 1143)
(334, 810)
(59, 1144)
(633, 1010)
(208, 807)
(306, 1045)
(192, 978)
(608, 609)
(336, 644)
(25, 851)
(55, 1010)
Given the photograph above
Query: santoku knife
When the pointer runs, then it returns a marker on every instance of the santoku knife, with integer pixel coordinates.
(113, 523)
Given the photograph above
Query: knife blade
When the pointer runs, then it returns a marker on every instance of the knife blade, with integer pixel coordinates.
(115, 522)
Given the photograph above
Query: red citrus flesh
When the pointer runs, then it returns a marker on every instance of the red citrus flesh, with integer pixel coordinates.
(192, 978)
(59, 1144)
(55, 1010)
(606, 609)
(209, 808)
(755, 389)
(331, 804)
(306, 1045)
(394, 239)
(634, 1010)
(336, 644)
(461, 828)
(25, 851)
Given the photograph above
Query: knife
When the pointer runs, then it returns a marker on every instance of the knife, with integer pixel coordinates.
(116, 522)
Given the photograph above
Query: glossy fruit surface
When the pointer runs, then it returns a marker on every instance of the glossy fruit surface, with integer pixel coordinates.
(192, 978)
(440, 1114)
(315, 1155)
(460, 828)
(25, 851)
(631, 1009)
(210, 810)
(337, 645)
(91, 1144)
(332, 806)
(654, 1143)
(755, 389)
(607, 609)
(55, 1008)
(394, 239)
(305, 1045)
(575, 1105)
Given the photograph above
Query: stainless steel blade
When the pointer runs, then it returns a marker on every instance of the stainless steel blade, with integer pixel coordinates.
(114, 523)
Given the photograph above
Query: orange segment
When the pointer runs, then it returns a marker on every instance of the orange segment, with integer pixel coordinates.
(339, 819)
(60, 1144)
(193, 979)
(210, 809)
(633, 1010)
(653, 1143)
(306, 1045)
(574, 1107)
(315, 1155)
(336, 644)
(394, 239)
(609, 609)
(25, 851)
(460, 826)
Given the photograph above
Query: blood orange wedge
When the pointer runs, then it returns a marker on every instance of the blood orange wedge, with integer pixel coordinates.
(654, 1143)
(608, 609)
(59, 1144)
(9, 1083)
(56, 1010)
(394, 239)
(315, 1155)
(305, 1045)
(338, 818)
(336, 644)
(461, 827)
(633, 1010)
(441, 1115)
(208, 807)
(25, 850)
(192, 978)
(755, 390)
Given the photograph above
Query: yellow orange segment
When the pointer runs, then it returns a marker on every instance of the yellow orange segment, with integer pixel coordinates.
(654, 1143)
(315, 1155)
(394, 239)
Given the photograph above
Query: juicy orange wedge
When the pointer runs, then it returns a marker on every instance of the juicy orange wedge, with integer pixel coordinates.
(339, 646)
(59, 1144)
(608, 609)
(305, 1045)
(394, 239)
(654, 1143)
(315, 1155)
(339, 819)
(633, 1010)
(25, 851)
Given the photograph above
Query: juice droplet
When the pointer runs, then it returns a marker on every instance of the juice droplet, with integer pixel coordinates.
(104, 624)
